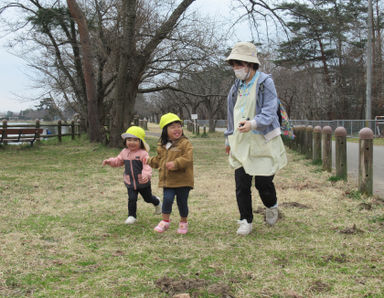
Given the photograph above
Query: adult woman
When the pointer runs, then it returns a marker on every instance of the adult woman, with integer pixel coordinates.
(253, 140)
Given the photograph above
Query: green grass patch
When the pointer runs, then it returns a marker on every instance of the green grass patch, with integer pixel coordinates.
(63, 233)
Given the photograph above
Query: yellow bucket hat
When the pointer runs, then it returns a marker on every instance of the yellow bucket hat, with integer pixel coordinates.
(168, 118)
(138, 133)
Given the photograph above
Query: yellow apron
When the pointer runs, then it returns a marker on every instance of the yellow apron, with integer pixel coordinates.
(250, 150)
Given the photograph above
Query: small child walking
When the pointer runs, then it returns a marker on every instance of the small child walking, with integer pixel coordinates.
(175, 163)
(137, 174)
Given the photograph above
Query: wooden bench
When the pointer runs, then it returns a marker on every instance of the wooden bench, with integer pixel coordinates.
(17, 135)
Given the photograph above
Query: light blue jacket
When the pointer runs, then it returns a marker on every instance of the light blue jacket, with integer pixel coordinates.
(267, 120)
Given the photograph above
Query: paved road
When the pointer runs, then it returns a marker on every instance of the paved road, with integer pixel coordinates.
(353, 165)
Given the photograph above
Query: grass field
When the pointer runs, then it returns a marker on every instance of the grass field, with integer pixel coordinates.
(62, 231)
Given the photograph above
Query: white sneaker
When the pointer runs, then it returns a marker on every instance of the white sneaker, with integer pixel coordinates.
(245, 227)
(271, 215)
(158, 207)
(130, 220)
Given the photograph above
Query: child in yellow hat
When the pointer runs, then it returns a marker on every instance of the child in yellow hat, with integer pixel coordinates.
(175, 163)
(137, 174)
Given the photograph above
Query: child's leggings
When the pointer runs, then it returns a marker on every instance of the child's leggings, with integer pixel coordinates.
(181, 194)
(146, 193)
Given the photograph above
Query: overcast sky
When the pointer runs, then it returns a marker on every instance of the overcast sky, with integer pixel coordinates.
(16, 87)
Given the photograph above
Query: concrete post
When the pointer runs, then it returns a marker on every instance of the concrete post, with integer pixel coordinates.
(341, 152)
(366, 161)
(327, 148)
(316, 154)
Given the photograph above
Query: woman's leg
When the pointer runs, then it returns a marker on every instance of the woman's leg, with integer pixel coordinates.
(266, 189)
(243, 194)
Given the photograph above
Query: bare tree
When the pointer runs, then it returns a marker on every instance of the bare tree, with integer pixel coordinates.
(94, 131)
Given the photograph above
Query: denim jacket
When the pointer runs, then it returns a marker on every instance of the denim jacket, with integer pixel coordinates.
(267, 120)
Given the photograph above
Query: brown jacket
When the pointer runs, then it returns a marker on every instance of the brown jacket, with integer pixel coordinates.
(181, 153)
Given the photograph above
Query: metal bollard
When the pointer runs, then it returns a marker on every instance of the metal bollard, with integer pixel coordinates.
(327, 148)
(341, 152)
(316, 153)
(366, 161)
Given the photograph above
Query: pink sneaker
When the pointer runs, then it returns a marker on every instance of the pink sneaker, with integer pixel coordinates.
(183, 228)
(162, 226)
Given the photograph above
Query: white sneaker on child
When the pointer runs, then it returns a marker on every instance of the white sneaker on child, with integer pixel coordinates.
(158, 207)
(130, 220)
(271, 215)
(245, 227)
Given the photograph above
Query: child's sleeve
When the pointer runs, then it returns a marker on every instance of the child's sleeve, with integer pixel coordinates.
(117, 161)
(186, 159)
(154, 162)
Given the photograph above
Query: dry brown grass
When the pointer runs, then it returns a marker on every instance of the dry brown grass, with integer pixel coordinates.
(62, 231)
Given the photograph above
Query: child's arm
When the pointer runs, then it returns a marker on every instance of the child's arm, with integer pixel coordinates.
(185, 160)
(154, 162)
(146, 173)
(114, 161)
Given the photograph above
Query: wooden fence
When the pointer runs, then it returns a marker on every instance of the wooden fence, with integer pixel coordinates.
(74, 129)
(316, 144)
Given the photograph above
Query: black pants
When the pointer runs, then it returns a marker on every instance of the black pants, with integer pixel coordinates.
(146, 193)
(263, 184)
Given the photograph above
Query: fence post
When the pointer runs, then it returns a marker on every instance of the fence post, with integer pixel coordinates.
(316, 153)
(4, 134)
(73, 129)
(37, 130)
(295, 140)
(302, 140)
(197, 129)
(341, 152)
(366, 161)
(308, 141)
(327, 148)
(59, 130)
(78, 127)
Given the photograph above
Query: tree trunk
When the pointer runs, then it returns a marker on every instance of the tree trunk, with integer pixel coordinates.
(94, 128)
(133, 64)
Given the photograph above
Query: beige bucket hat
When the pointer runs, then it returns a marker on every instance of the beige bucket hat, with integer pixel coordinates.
(244, 51)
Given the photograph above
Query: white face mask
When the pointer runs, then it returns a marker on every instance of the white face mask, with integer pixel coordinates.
(242, 73)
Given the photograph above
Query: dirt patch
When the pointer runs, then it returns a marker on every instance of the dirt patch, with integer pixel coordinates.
(337, 259)
(220, 289)
(294, 205)
(173, 286)
(365, 206)
(352, 230)
(378, 201)
(194, 287)
(319, 287)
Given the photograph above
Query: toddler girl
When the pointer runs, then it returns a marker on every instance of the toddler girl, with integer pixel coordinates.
(137, 174)
(175, 163)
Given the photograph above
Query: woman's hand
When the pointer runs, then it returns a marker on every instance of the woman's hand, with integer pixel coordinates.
(244, 126)
(227, 149)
